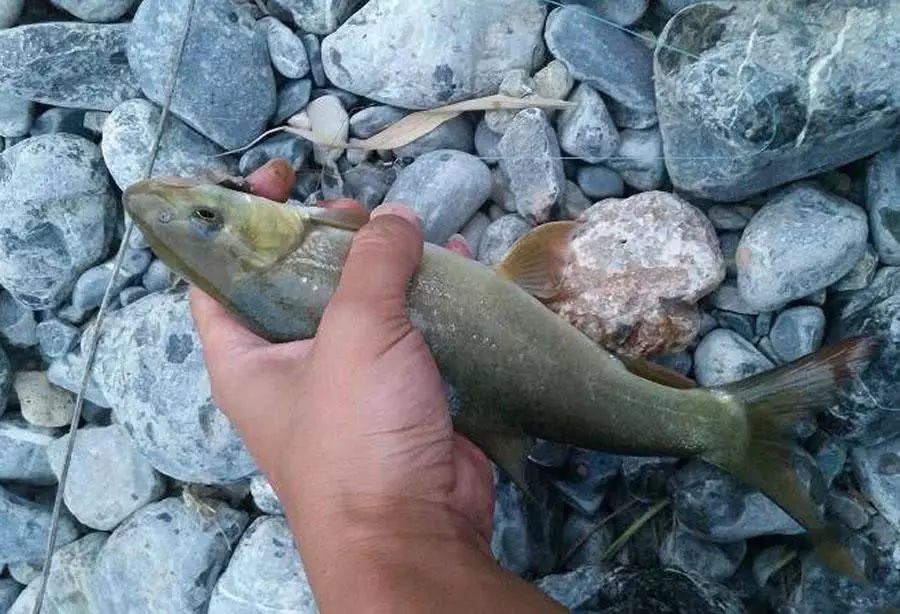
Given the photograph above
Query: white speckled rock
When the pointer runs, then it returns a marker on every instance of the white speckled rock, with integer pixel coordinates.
(108, 479)
(42, 403)
(635, 271)
(396, 52)
(803, 240)
(587, 130)
(553, 81)
(639, 159)
(265, 574)
(724, 357)
(329, 122)
(264, 496)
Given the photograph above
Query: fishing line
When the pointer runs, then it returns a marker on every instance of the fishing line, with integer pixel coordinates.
(104, 305)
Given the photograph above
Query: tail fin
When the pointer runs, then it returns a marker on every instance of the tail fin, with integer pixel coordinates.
(773, 402)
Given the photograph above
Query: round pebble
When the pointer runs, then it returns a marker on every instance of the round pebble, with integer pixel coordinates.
(797, 332)
(42, 403)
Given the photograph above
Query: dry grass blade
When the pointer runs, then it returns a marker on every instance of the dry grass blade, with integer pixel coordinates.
(635, 527)
(602, 523)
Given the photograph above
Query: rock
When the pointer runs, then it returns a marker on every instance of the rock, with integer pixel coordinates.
(362, 55)
(764, 323)
(42, 403)
(553, 81)
(24, 572)
(23, 532)
(500, 236)
(797, 332)
(68, 590)
(861, 275)
(584, 541)
(91, 285)
(330, 123)
(574, 202)
(585, 478)
(285, 146)
(108, 479)
(96, 10)
(314, 54)
(742, 324)
(474, 230)
(157, 277)
(369, 183)
(639, 159)
(129, 295)
(445, 188)
(729, 242)
(673, 6)
(602, 56)
(265, 574)
(723, 357)
(67, 372)
(718, 507)
(150, 366)
(232, 91)
(17, 325)
(457, 134)
(883, 202)
(286, 49)
(319, 16)
(680, 362)
(645, 477)
(821, 591)
(57, 215)
(516, 84)
(574, 589)
(16, 114)
(586, 130)
(635, 270)
(730, 217)
(717, 562)
(9, 588)
(832, 457)
(370, 121)
(728, 297)
(6, 377)
(877, 469)
(23, 453)
(190, 539)
(10, 11)
(530, 158)
(56, 119)
(67, 64)
(264, 496)
(487, 143)
(801, 241)
(526, 531)
(292, 97)
(726, 141)
(549, 454)
(93, 122)
(848, 509)
(599, 182)
(128, 136)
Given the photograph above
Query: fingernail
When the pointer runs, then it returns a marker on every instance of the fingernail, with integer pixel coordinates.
(400, 211)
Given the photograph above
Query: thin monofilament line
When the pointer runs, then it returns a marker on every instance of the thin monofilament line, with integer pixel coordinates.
(104, 304)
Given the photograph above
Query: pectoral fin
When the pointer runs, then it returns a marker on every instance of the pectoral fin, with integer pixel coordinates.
(537, 260)
(508, 450)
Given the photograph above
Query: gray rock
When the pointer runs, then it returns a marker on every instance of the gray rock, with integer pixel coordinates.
(877, 469)
(530, 158)
(68, 590)
(362, 55)
(575, 589)
(883, 202)
(58, 119)
(622, 12)
(730, 217)
(553, 81)
(67, 372)
(764, 323)
(190, 538)
(743, 324)
(265, 574)
(832, 457)
(680, 362)
(645, 477)
(526, 530)
(286, 49)
(108, 479)
(370, 121)
(517, 84)
(128, 136)
(292, 97)
(585, 541)
(683, 550)
(369, 183)
(6, 376)
(549, 454)
(583, 481)
(150, 365)
(626, 117)
(487, 143)
(9, 588)
(96, 10)
(474, 230)
(574, 202)
(848, 509)
(586, 130)
(728, 297)
(602, 56)
(314, 54)
(639, 159)
(91, 285)
(42, 403)
(17, 324)
(821, 591)
(718, 507)
(457, 134)
(16, 115)
(129, 295)
(673, 6)
(10, 11)
(288, 147)
(264, 496)
(723, 357)
(737, 121)
(797, 332)
(67, 64)
(93, 122)
(319, 16)
(801, 241)
(599, 182)
(232, 89)
(861, 275)
(24, 572)
(23, 452)
(23, 532)
(500, 236)
(445, 188)
(69, 314)
(56, 215)
(729, 242)
(157, 277)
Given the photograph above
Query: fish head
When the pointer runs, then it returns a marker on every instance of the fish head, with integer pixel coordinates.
(211, 235)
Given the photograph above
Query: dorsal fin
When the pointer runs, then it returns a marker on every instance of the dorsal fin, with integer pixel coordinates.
(352, 218)
(657, 373)
(536, 261)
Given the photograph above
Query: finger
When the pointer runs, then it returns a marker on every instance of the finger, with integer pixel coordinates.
(383, 257)
(458, 245)
(474, 488)
(221, 333)
(275, 180)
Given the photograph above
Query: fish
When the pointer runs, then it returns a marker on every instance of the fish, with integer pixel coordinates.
(516, 371)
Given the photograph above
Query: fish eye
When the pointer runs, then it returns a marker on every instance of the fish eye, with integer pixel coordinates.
(206, 215)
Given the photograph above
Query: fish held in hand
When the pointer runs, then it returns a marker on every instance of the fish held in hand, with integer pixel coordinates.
(518, 371)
